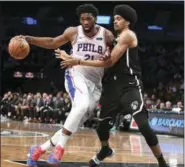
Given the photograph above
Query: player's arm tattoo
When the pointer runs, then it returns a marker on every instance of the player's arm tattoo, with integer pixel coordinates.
(109, 38)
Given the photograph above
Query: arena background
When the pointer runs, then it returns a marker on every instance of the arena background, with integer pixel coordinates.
(160, 30)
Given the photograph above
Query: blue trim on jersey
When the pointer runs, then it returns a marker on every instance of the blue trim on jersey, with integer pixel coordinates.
(71, 87)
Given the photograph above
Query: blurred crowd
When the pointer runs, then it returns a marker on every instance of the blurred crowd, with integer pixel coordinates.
(54, 108)
(43, 108)
(168, 97)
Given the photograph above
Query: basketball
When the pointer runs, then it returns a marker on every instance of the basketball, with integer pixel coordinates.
(18, 48)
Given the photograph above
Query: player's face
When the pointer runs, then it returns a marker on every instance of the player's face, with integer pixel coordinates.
(87, 21)
(119, 23)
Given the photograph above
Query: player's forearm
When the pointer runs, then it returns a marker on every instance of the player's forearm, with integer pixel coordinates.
(44, 42)
(96, 63)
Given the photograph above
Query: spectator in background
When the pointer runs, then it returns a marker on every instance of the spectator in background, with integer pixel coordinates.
(148, 104)
(51, 97)
(47, 110)
(179, 107)
(7, 109)
(31, 105)
(59, 102)
(157, 104)
(65, 95)
(145, 97)
(17, 111)
(38, 104)
(24, 96)
(162, 106)
(28, 106)
(168, 106)
(66, 108)
(153, 99)
(44, 96)
(58, 105)
(67, 104)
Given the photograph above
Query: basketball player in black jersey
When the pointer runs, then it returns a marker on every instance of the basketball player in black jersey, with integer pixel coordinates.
(122, 85)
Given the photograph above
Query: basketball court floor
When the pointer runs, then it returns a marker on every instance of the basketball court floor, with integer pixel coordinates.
(131, 149)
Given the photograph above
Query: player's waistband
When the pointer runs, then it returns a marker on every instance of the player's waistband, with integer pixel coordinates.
(76, 74)
(123, 79)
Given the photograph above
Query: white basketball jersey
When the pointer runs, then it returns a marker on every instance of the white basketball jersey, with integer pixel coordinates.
(87, 48)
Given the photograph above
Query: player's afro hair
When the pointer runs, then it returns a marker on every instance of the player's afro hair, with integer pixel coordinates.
(127, 12)
(87, 8)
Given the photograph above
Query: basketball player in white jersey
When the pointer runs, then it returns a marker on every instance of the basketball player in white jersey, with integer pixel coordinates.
(89, 42)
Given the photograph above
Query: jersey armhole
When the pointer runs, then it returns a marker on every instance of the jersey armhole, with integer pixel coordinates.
(76, 37)
(104, 37)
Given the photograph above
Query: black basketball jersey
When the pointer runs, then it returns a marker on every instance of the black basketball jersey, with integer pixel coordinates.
(128, 66)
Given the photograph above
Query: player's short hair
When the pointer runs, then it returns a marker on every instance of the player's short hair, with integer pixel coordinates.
(87, 8)
(127, 12)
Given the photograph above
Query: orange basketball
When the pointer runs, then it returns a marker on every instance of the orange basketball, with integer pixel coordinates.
(18, 48)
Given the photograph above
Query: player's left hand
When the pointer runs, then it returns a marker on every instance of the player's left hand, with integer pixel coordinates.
(61, 54)
(69, 62)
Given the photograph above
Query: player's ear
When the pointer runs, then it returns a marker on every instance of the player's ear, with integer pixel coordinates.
(127, 23)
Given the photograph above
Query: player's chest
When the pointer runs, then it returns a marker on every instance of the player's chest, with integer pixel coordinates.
(91, 47)
(89, 50)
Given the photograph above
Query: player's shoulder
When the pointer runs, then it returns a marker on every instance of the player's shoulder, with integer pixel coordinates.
(108, 34)
(71, 30)
(128, 34)
(109, 37)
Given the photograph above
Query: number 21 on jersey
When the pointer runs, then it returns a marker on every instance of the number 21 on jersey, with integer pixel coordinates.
(89, 57)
